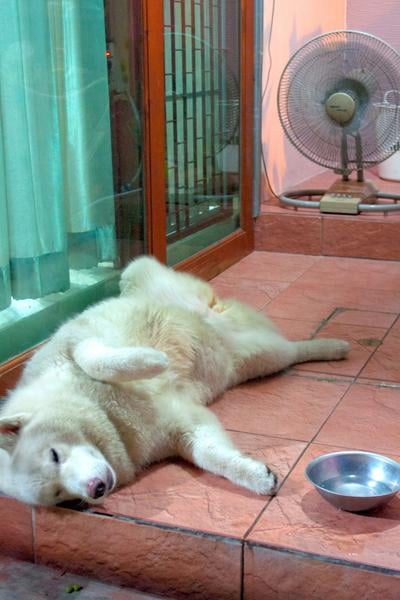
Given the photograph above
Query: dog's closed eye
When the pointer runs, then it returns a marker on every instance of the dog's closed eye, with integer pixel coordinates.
(54, 456)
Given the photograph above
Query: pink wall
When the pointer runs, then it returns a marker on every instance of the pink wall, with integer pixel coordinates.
(294, 23)
(379, 17)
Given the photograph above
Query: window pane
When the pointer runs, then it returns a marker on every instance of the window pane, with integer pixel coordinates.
(71, 187)
(202, 95)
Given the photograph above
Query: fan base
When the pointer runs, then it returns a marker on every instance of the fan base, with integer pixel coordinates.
(344, 197)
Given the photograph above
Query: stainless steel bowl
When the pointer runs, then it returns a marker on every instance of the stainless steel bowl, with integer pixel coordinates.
(355, 481)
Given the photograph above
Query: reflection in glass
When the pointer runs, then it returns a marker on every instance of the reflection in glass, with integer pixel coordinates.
(124, 57)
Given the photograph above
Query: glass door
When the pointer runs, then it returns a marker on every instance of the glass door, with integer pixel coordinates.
(202, 62)
(134, 123)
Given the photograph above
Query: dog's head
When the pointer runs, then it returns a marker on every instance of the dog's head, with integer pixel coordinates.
(46, 465)
(48, 456)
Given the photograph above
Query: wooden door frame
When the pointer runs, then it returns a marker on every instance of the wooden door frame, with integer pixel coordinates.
(154, 128)
(212, 260)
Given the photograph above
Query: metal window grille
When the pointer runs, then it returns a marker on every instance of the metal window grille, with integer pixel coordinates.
(202, 112)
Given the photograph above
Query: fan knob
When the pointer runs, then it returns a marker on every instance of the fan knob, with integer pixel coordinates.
(341, 107)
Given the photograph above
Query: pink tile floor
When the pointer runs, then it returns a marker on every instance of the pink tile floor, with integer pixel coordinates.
(184, 533)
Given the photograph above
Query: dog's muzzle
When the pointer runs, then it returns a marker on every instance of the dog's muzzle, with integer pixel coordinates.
(99, 487)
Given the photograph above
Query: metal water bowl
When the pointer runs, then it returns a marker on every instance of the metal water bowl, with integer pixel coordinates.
(355, 481)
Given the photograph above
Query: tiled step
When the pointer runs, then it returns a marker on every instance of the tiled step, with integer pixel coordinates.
(300, 548)
(307, 231)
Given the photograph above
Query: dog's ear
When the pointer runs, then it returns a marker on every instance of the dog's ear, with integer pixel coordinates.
(12, 425)
(115, 365)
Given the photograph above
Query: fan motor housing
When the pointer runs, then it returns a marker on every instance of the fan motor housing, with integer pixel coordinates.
(340, 106)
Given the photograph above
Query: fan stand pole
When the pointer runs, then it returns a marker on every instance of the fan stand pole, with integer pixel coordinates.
(345, 195)
(344, 155)
(359, 158)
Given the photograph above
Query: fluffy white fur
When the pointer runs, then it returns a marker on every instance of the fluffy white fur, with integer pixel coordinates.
(127, 383)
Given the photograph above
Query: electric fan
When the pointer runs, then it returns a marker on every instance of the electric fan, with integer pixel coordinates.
(331, 103)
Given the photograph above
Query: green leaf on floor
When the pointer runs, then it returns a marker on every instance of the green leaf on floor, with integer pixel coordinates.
(74, 587)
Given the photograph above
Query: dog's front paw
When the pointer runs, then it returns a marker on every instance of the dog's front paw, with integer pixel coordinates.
(119, 364)
(153, 361)
(255, 476)
(263, 480)
(138, 363)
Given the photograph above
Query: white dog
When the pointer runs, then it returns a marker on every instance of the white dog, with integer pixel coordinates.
(126, 383)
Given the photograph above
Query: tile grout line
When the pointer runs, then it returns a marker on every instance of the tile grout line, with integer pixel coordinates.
(271, 498)
(241, 590)
(33, 525)
(220, 537)
(370, 568)
(321, 235)
(346, 447)
(336, 311)
(325, 321)
(288, 282)
(319, 375)
(388, 384)
(267, 435)
(308, 444)
(350, 383)
(376, 349)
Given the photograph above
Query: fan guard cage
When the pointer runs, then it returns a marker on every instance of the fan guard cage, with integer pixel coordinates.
(329, 63)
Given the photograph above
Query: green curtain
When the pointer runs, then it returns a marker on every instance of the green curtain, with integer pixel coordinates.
(56, 203)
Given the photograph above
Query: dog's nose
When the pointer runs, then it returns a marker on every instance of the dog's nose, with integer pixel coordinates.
(96, 488)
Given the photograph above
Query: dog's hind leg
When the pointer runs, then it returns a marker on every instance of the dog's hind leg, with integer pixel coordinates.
(277, 353)
(140, 274)
(147, 277)
(259, 349)
(321, 349)
(205, 443)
